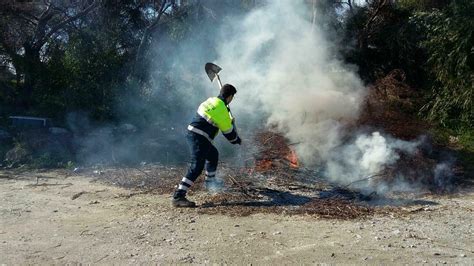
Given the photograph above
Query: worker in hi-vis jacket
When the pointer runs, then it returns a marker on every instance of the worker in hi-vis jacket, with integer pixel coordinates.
(213, 115)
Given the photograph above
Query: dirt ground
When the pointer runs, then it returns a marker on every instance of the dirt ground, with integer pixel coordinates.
(62, 218)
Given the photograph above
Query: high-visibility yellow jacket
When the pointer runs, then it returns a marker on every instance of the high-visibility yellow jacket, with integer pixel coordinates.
(214, 115)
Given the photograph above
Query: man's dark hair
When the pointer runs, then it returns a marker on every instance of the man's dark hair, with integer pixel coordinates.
(227, 90)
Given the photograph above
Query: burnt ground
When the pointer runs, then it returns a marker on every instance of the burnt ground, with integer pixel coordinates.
(123, 215)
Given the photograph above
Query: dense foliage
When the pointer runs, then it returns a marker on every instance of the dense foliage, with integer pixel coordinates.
(431, 41)
(449, 42)
(94, 56)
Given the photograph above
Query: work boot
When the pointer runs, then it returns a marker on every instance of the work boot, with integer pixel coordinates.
(180, 200)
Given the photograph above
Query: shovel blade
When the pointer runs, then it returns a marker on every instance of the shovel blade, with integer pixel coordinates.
(212, 70)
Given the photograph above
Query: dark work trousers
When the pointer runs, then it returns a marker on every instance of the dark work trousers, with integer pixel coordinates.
(203, 154)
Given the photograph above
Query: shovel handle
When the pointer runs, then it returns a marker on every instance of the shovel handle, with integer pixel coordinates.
(219, 80)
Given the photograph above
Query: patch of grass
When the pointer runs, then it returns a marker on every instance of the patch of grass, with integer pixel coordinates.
(466, 140)
(441, 135)
(466, 154)
(51, 160)
(45, 160)
(462, 142)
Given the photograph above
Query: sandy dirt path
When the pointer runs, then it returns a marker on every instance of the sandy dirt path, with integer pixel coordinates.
(59, 219)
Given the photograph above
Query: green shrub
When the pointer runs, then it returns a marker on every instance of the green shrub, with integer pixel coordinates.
(449, 45)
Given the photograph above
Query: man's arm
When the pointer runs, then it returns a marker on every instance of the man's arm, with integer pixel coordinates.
(232, 136)
(226, 125)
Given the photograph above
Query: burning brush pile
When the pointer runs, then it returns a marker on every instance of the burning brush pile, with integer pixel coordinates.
(274, 152)
(275, 183)
(278, 183)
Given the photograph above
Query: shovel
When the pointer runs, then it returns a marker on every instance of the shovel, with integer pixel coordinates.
(212, 71)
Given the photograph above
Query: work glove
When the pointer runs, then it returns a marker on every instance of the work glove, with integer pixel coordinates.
(238, 141)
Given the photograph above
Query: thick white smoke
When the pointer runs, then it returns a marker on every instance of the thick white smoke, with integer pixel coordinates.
(285, 73)
(282, 67)
(366, 156)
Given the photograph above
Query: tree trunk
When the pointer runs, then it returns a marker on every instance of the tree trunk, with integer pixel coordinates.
(32, 68)
(138, 70)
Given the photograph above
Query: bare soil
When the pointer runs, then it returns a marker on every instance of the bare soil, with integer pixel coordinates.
(60, 217)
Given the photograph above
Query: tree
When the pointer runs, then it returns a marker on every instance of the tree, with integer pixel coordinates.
(153, 12)
(449, 43)
(25, 30)
(383, 39)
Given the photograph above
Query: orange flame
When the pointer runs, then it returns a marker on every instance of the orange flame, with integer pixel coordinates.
(293, 159)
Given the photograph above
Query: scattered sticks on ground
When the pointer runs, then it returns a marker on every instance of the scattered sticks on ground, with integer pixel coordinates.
(77, 195)
(246, 193)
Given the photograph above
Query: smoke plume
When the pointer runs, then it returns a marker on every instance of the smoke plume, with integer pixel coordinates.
(287, 76)
(282, 65)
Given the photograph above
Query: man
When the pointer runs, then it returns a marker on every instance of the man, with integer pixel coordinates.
(213, 115)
